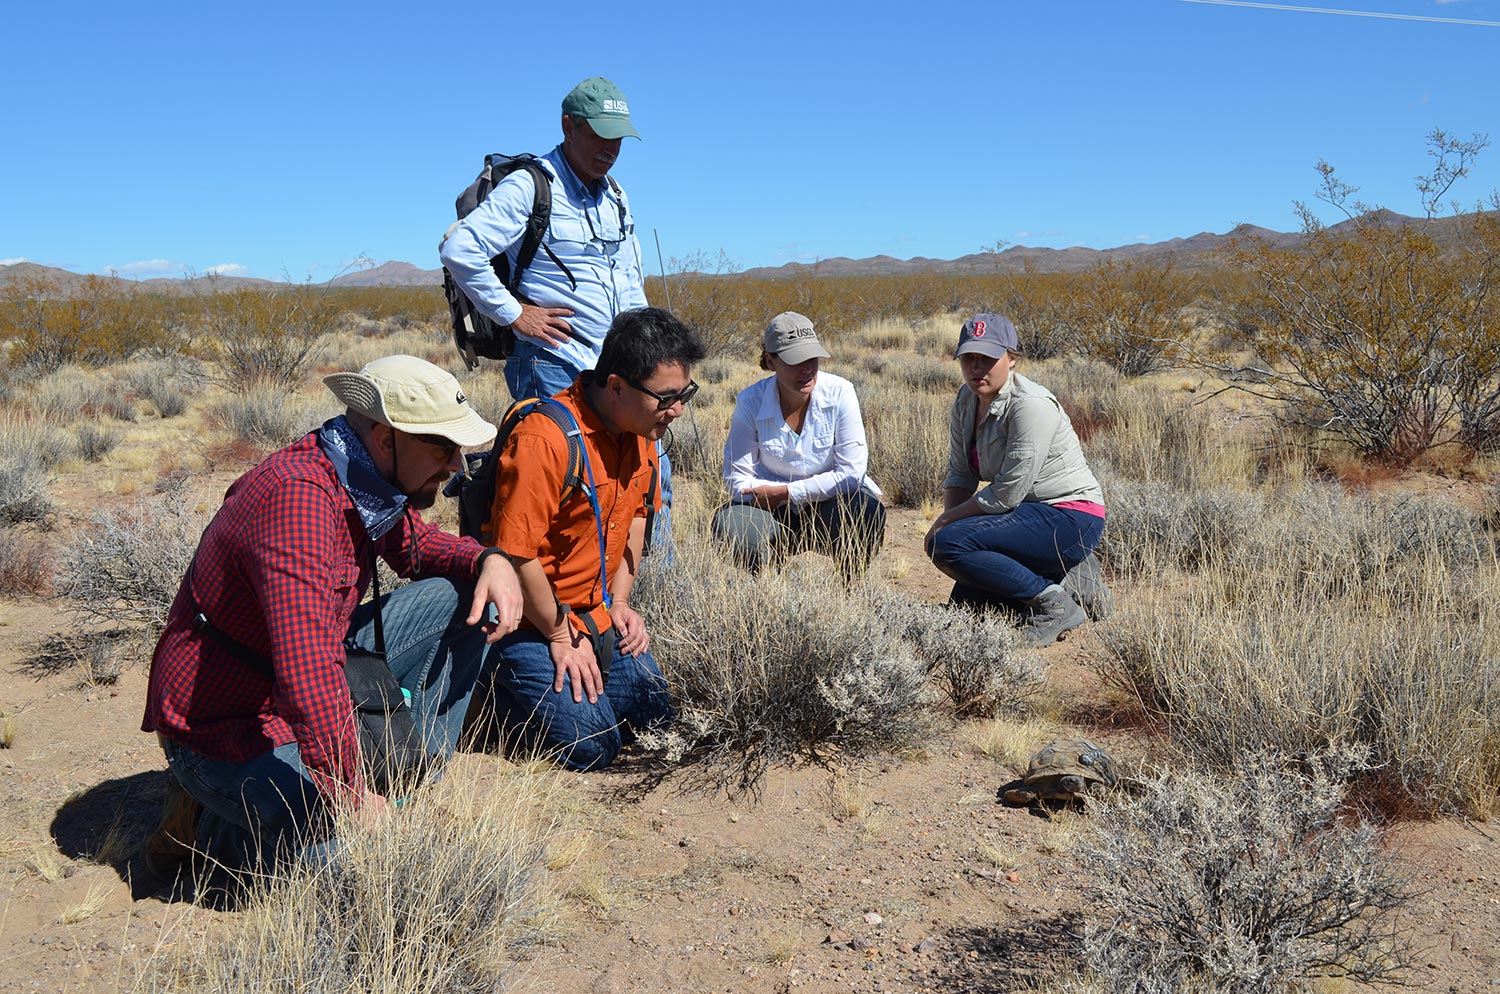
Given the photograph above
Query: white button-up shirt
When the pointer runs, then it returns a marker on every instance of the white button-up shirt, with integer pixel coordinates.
(826, 459)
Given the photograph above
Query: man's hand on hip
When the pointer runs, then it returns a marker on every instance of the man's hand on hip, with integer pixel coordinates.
(545, 324)
(573, 655)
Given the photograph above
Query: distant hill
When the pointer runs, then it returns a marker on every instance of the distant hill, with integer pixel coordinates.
(1195, 252)
(391, 274)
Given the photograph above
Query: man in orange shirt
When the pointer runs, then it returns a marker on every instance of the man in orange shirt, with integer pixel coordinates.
(579, 672)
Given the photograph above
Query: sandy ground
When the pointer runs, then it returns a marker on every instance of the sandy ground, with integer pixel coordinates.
(878, 877)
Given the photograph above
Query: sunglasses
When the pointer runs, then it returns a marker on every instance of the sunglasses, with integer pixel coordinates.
(450, 448)
(666, 400)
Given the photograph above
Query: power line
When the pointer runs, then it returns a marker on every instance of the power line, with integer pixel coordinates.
(1351, 13)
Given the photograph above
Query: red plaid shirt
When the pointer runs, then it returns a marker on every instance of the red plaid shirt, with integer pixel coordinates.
(280, 570)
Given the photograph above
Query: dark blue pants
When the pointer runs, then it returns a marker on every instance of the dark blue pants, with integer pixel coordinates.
(1012, 557)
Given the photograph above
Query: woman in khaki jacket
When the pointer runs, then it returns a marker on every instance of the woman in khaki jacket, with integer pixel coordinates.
(1014, 541)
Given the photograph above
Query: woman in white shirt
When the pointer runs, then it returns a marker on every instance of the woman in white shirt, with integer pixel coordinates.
(795, 461)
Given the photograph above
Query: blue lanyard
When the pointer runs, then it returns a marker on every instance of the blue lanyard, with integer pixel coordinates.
(592, 492)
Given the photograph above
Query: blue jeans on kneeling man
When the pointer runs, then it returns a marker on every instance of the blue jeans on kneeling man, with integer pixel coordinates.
(516, 684)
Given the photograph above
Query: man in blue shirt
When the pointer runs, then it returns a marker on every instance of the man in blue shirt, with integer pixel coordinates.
(570, 294)
(590, 267)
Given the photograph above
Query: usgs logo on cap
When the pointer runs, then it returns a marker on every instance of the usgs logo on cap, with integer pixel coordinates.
(616, 107)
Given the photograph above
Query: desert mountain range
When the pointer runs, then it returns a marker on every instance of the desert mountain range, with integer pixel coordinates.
(1194, 252)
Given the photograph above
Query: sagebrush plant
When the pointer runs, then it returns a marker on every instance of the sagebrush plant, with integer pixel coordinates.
(25, 488)
(1253, 881)
(978, 659)
(775, 667)
(441, 897)
(125, 565)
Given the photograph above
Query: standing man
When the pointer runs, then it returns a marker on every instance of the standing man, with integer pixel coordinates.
(578, 675)
(262, 755)
(590, 268)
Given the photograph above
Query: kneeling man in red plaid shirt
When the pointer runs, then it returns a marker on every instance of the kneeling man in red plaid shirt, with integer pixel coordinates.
(262, 755)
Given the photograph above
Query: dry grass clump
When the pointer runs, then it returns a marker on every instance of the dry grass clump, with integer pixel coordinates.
(25, 486)
(908, 438)
(1154, 437)
(71, 393)
(769, 668)
(165, 382)
(95, 441)
(265, 415)
(1156, 526)
(1235, 664)
(25, 563)
(1254, 882)
(440, 898)
(126, 564)
(977, 659)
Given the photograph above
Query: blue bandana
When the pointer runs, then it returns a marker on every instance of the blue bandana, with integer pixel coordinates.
(379, 504)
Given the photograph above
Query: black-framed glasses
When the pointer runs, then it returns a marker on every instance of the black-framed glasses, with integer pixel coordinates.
(666, 400)
(615, 237)
(449, 446)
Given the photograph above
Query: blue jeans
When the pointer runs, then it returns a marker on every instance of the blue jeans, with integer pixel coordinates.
(517, 684)
(267, 810)
(531, 371)
(1012, 557)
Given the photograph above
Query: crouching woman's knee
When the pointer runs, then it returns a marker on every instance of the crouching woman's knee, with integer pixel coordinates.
(947, 550)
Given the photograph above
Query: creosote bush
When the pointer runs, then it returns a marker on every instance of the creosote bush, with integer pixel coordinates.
(765, 672)
(1250, 882)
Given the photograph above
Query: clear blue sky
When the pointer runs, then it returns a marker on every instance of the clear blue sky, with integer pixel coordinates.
(290, 138)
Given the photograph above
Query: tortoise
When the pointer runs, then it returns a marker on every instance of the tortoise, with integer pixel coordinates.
(1062, 772)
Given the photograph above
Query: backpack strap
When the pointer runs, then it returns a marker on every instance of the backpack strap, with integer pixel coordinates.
(652, 489)
(573, 478)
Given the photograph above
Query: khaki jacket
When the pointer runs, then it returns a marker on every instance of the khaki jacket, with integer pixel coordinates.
(1027, 449)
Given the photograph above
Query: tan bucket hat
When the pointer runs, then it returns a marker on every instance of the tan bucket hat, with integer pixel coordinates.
(414, 396)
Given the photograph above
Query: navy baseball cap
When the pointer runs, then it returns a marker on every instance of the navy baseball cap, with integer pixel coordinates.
(988, 334)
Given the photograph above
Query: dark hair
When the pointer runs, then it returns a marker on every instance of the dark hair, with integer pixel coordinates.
(641, 339)
(765, 359)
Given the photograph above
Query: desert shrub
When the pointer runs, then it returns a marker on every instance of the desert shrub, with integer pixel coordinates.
(39, 439)
(907, 435)
(1127, 315)
(125, 566)
(1153, 526)
(1237, 664)
(165, 383)
(269, 337)
(95, 441)
(264, 415)
(1249, 882)
(440, 899)
(1156, 437)
(1040, 306)
(1088, 390)
(98, 320)
(764, 672)
(69, 392)
(977, 659)
(25, 487)
(25, 564)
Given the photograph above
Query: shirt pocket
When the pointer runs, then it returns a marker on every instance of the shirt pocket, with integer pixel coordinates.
(343, 587)
(568, 231)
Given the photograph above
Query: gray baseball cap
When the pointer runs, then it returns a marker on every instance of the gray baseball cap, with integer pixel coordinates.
(792, 338)
(600, 102)
(988, 334)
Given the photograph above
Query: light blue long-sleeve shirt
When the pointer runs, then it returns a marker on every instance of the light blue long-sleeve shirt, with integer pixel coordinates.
(592, 233)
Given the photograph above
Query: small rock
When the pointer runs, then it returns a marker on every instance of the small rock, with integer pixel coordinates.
(734, 819)
(101, 946)
(836, 936)
(926, 946)
(863, 945)
(1012, 876)
(871, 918)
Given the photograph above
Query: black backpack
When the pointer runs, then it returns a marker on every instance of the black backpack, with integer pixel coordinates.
(474, 488)
(475, 333)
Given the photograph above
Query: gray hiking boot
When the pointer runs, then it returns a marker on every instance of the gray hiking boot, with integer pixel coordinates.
(1085, 583)
(1053, 612)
